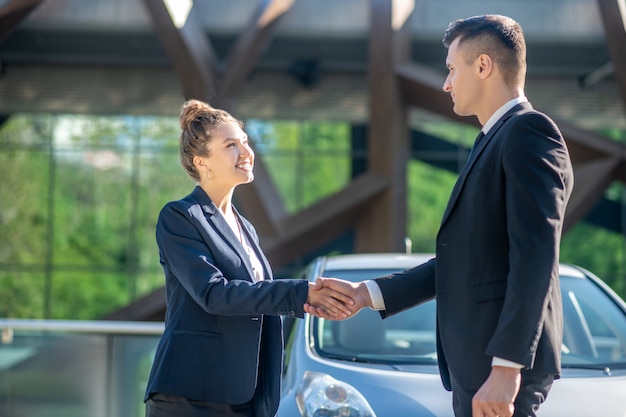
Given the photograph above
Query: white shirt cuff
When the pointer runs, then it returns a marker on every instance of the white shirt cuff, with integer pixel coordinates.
(378, 302)
(495, 361)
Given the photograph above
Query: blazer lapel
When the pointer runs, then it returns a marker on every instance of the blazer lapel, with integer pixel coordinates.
(218, 222)
(460, 182)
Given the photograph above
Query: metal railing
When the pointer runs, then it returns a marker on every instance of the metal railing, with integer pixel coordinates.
(75, 368)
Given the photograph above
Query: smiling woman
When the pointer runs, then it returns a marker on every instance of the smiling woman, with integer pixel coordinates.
(221, 350)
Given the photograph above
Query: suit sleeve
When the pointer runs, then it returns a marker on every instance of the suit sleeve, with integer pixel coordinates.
(407, 289)
(538, 184)
(212, 274)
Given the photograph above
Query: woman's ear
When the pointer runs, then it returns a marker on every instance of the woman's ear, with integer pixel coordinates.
(202, 167)
(199, 163)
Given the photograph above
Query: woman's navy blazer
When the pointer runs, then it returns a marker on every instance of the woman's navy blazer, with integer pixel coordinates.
(223, 333)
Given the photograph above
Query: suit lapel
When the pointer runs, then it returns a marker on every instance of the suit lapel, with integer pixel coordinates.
(460, 182)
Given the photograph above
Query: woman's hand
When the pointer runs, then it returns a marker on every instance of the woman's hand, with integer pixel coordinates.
(332, 302)
(346, 298)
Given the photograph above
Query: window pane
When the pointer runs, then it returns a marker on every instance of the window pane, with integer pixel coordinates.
(93, 132)
(23, 206)
(306, 160)
(159, 133)
(323, 175)
(22, 294)
(148, 282)
(333, 137)
(161, 179)
(26, 131)
(428, 191)
(88, 294)
(273, 137)
(92, 208)
(284, 173)
(597, 249)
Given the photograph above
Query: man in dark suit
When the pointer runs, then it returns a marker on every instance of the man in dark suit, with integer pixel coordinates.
(495, 274)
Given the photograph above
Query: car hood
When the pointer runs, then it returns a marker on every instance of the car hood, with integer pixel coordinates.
(416, 390)
(579, 393)
(394, 391)
(583, 393)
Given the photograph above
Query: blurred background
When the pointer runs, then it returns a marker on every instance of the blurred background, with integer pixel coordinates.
(357, 146)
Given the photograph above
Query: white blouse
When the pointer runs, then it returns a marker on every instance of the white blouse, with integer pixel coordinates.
(257, 267)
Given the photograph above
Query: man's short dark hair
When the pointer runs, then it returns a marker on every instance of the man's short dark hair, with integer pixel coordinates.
(498, 36)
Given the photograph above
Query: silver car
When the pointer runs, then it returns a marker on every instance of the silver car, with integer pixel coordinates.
(369, 367)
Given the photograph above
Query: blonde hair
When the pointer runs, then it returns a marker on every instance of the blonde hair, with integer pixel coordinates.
(197, 121)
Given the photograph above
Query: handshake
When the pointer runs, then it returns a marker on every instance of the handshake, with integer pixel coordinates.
(336, 299)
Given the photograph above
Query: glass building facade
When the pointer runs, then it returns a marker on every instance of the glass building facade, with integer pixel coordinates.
(80, 196)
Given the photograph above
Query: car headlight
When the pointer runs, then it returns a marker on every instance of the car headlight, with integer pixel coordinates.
(321, 395)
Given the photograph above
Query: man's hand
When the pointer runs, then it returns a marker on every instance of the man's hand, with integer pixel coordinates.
(355, 291)
(496, 396)
(332, 303)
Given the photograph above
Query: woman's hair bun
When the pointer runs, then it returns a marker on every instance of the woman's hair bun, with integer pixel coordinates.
(192, 110)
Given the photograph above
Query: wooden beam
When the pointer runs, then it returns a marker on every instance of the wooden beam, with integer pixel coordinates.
(189, 50)
(613, 13)
(196, 65)
(383, 226)
(585, 146)
(590, 181)
(261, 201)
(325, 220)
(251, 42)
(14, 12)
(422, 87)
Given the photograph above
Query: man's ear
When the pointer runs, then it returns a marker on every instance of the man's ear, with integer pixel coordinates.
(484, 65)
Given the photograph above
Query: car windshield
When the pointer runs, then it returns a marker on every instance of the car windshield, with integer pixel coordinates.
(594, 329)
(405, 338)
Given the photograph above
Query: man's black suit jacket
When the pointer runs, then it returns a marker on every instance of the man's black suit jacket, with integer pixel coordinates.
(495, 274)
(223, 335)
